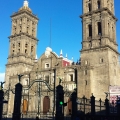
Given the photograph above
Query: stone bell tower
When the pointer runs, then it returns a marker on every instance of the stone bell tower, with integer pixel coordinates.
(99, 47)
(22, 50)
(99, 24)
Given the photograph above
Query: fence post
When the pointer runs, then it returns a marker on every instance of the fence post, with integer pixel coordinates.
(84, 103)
(92, 105)
(1, 103)
(74, 105)
(59, 103)
(107, 106)
(118, 106)
(100, 104)
(17, 102)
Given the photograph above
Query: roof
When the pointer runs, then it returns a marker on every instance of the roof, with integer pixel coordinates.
(25, 7)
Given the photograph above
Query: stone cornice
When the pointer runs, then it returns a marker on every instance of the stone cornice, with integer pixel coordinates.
(106, 46)
(85, 67)
(19, 63)
(99, 11)
(21, 12)
(44, 70)
(78, 67)
(20, 54)
(100, 37)
(20, 34)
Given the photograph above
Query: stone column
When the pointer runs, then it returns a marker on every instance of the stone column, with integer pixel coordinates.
(106, 25)
(110, 29)
(114, 37)
(92, 105)
(93, 27)
(30, 27)
(84, 30)
(17, 27)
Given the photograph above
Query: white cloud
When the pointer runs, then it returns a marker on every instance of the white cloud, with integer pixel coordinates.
(2, 76)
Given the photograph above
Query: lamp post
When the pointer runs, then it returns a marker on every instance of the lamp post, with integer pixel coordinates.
(38, 100)
(54, 70)
(39, 95)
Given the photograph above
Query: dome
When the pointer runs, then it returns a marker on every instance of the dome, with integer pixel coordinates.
(49, 49)
(25, 7)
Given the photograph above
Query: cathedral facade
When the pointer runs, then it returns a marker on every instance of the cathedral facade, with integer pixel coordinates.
(97, 69)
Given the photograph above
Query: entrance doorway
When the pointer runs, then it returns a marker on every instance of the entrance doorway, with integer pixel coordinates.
(46, 104)
(69, 106)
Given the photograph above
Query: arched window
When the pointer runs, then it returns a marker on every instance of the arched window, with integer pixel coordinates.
(26, 45)
(21, 21)
(27, 29)
(32, 49)
(99, 28)
(86, 82)
(89, 7)
(25, 106)
(25, 50)
(13, 46)
(90, 30)
(98, 4)
(101, 60)
(15, 30)
(13, 49)
(46, 104)
(18, 50)
(108, 28)
(18, 44)
(20, 28)
(86, 62)
(85, 72)
(28, 22)
(32, 32)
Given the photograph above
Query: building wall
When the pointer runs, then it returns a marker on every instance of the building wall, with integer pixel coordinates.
(104, 72)
(98, 69)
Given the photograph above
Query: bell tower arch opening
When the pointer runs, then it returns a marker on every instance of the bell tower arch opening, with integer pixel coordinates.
(89, 7)
(90, 30)
(99, 4)
(99, 28)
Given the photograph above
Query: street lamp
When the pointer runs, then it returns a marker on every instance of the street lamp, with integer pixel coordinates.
(39, 95)
(54, 70)
(38, 100)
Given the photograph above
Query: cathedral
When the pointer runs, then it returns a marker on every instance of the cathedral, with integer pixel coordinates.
(97, 69)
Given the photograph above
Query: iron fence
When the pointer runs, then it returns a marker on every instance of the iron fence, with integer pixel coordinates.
(84, 106)
(42, 116)
(99, 117)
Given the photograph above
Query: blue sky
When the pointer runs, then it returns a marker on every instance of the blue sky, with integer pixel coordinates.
(66, 27)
